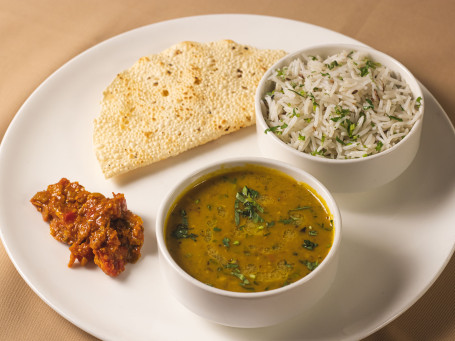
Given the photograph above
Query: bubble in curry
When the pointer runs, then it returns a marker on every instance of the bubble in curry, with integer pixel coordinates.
(249, 229)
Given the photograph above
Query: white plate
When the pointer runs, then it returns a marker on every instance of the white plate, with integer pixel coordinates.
(397, 239)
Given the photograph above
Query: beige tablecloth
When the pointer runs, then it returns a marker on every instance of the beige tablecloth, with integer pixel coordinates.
(37, 37)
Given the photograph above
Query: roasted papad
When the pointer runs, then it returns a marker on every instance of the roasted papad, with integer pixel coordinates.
(183, 97)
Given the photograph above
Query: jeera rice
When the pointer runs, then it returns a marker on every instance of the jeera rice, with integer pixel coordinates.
(344, 106)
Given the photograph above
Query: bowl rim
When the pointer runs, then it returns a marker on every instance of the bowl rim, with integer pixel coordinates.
(284, 167)
(260, 121)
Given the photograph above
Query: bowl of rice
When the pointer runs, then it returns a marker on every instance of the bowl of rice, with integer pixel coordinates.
(347, 114)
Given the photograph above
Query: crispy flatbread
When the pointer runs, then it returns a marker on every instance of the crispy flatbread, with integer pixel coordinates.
(183, 97)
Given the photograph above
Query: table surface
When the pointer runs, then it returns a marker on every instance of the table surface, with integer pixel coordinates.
(37, 37)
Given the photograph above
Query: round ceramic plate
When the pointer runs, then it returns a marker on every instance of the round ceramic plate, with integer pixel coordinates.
(397, 239)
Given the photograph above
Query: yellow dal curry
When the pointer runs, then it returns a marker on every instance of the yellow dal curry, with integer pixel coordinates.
(249, 229)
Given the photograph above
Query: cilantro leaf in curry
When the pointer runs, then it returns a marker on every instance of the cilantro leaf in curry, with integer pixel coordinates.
(246, 206)
(182, 230)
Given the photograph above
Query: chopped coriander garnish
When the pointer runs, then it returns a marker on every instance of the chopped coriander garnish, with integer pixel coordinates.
(395, 118)
(286, 221)
(294, 113)
(276, 130)
(340, 141)
(370, 104)
(318, 152)
(341, 112)
(231, 266)
(240, 276)
(272, 129)
(246, 206)
(300, 208)
(300, 93)
(281, 72)
(350, 127)
(309, 245)
(332, 65)
(286, 264)
(310, 265)
(363, 71)
(226, 242)
(182, 230)
(369, 64)
(315, 104)
(418, 101)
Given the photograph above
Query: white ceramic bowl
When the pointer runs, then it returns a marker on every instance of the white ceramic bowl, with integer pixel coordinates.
(256, 309)
(353, 175)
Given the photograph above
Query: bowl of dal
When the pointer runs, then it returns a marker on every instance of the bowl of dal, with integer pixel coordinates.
(248, 242)
(348, 114)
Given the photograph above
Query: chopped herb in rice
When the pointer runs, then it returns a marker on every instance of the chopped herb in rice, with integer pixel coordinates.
(342, 107)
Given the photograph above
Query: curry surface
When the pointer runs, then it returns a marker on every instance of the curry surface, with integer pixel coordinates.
(249, 229)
